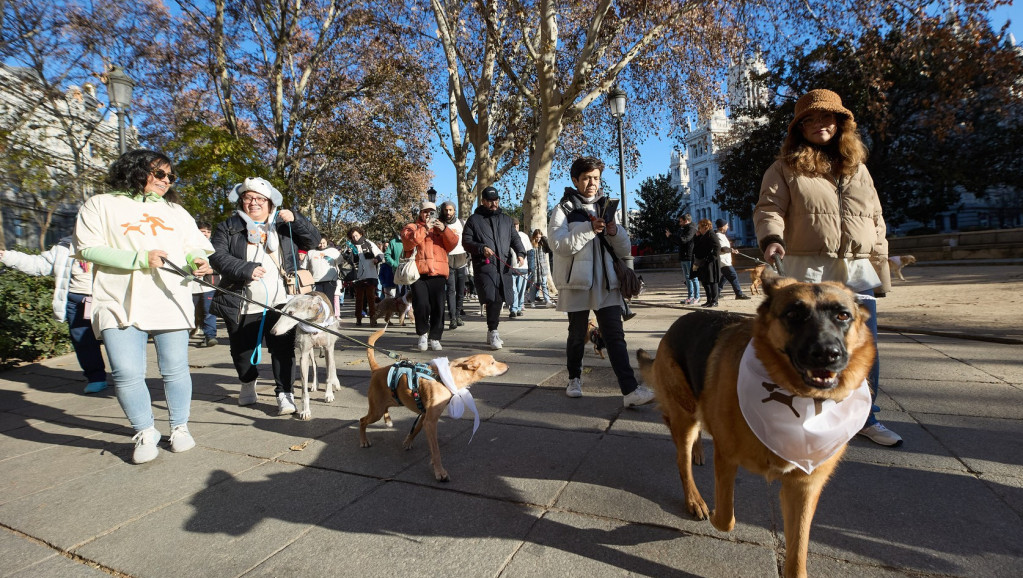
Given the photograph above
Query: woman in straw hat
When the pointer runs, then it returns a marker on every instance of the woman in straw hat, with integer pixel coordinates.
(818, 210)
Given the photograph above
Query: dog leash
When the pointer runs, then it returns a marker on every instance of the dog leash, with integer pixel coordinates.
(171, 267)
(754, 259)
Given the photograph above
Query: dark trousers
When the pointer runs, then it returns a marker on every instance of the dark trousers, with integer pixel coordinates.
(494, 314)
(365, 297)
(209, 320)
(728, 273)
(712, 290)
(455, 286)
(428, 305)
(245, 337)
(609, 320)
(83, 339)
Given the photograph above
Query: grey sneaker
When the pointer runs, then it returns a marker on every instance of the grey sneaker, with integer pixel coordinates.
(285, 403)
(421, 346)
(881, 435)
(180, 439)
(641, 396)
(575, 387)
(435, 345)
(146, 449)
(247, 396)
(494, 340)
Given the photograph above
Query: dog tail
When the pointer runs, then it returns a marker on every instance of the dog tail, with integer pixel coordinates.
(369, 350)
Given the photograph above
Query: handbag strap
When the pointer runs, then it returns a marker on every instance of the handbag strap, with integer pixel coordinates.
(284, 274)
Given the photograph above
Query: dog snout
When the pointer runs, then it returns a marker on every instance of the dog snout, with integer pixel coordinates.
(825, 354)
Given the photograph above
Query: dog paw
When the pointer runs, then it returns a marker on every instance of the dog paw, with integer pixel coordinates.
(329, 396)
(364, 444)
(697, 508)
(305, 415)
(723, 525)
(387, 420)
(441, 476)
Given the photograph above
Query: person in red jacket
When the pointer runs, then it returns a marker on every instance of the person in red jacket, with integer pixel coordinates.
(433, 240)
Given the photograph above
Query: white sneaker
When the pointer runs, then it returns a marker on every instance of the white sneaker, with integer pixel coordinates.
(575, 387)
(435, 345)
(247, 396)
(146, 449)
(641, 396)
(881, 435)
(180, 439)
(285, 403)
(421, 346)
(494, 340)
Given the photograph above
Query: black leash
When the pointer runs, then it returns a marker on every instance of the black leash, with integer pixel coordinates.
(169, 266)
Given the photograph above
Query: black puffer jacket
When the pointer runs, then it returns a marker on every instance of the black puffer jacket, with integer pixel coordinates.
(231, 242)
(706, 249)
(497, 231)
(684, 239)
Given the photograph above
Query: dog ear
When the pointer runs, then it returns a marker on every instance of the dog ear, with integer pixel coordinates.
(471, 364)
(773, 282)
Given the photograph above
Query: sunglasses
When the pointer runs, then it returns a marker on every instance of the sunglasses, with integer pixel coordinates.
(160, 174)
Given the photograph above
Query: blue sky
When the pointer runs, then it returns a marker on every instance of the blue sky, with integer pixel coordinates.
(655, 154)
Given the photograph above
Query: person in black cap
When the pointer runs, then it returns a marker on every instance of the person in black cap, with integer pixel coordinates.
(487, 234)
(727, 270)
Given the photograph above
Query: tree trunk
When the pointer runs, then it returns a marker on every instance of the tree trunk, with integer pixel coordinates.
(534, 202)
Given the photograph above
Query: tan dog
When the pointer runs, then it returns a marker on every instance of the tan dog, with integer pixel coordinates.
(433, 394)
(593, 336)
(756, 278)
(813, 341)
(400, 307)
(316, 308)
(898, 262)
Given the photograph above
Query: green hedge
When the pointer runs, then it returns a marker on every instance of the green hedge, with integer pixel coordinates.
(28, 330)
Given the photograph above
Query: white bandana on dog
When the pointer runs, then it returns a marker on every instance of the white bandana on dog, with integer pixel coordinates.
(459, 397)
(328, 318)
(803, 431)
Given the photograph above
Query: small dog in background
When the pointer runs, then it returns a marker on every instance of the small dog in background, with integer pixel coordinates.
(756, 278)
(898, 262)
(593, 336)
(400, 307)
(316, 308)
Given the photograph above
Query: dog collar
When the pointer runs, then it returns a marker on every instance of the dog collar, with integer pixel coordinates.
(460, 398)
(803, 431)
(328, 318)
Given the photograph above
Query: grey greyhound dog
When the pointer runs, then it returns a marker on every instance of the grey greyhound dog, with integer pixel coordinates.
(313, 307)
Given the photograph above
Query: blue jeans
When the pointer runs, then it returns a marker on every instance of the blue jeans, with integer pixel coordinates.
(692, 284)
(83, 339)
(875, 370)
(518, 289)
(209, 321)
(126, 349)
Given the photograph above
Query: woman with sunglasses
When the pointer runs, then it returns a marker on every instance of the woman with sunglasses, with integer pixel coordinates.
(257, 248)
(819, 210)
(127, 234)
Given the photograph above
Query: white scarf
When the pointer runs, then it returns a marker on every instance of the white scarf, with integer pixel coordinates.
(803, 431)
(260, 233)
(459, 397)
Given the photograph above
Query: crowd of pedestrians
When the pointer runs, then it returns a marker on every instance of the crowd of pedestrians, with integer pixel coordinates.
(120, 279)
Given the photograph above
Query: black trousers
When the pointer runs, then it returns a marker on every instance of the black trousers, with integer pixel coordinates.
(428, 305)
(609, 320)
(245, 337)
(494, 314)
(455, 286)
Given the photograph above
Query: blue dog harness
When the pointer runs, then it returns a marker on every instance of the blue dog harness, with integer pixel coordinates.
(412, 372)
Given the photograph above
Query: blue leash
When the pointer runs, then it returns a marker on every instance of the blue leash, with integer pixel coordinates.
(257, 353)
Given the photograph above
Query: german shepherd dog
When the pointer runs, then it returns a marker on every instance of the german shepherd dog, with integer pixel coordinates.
(813, 341)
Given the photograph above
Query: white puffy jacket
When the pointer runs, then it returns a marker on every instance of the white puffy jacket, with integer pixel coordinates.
(57, 261)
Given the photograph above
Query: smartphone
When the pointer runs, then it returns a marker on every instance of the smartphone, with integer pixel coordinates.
(610, 210)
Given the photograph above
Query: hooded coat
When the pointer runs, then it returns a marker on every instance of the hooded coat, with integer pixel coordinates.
(494, 229)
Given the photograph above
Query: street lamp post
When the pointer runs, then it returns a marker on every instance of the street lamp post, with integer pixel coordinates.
(616, 100)
(431, 195)
(119, 87)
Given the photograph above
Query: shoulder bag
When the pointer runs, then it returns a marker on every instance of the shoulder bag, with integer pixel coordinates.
(407, 272)
(298, 283)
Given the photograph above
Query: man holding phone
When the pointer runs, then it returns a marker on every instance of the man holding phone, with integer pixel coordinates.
(585, 278)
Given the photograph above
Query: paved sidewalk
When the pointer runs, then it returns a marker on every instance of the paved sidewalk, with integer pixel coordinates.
(549, 486)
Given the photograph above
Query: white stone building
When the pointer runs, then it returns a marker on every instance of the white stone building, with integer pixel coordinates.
(70, 137)
(696, 167)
